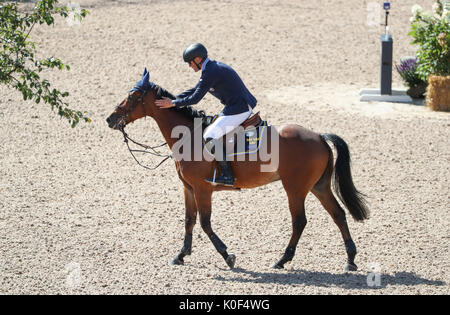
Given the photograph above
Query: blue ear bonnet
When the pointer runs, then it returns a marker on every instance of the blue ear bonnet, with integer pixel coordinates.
(144, 84)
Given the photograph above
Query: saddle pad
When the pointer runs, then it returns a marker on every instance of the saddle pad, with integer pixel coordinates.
(253, 138)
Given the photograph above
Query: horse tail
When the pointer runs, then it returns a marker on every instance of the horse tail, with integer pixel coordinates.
(353, 200)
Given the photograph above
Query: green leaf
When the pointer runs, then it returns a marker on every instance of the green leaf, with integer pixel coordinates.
(18, 67)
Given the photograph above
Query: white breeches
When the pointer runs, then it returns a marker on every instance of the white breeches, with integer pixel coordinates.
(224, 124)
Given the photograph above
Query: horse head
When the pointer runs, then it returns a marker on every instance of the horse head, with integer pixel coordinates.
(135, 106)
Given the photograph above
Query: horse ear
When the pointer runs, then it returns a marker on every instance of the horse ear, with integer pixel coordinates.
(146, 76)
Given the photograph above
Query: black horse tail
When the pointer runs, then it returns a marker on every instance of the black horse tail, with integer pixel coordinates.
(343, 184)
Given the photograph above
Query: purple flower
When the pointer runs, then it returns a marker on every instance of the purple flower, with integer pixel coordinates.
(408, 71)
(408, 65)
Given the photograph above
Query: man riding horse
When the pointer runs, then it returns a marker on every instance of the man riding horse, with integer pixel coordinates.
(224, 83)
(306, 159)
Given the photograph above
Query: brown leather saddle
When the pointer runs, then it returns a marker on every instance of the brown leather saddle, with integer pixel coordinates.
(253, 121)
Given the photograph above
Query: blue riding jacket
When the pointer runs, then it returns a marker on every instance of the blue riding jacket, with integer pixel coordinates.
(224, 83)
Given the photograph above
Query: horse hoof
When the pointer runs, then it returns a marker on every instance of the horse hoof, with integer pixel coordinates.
(351, 267)
(231, 260)
(176, 262)
(277, 266)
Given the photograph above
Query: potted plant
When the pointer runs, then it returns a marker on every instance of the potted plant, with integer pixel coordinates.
(408, 71)
(431, 32)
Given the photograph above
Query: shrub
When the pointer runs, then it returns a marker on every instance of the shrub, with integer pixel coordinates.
(431, 32)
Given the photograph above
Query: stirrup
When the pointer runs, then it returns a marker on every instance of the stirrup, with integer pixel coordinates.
(220, 180)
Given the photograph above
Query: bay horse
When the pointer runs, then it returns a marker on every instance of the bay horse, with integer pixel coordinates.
(306, 164)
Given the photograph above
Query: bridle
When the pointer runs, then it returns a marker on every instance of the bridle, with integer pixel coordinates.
(126, 112)
(122, 123)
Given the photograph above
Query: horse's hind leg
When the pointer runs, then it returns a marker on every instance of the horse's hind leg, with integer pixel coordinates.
(322, 190)
(297, 208)
(191, 217)
(203, 201)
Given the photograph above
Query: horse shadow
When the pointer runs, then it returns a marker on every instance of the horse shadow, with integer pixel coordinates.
(326, 279)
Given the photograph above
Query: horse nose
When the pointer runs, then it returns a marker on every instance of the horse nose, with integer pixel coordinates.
(110, 122)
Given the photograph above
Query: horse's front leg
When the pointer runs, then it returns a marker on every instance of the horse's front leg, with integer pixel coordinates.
(191, 216)
(203, 200)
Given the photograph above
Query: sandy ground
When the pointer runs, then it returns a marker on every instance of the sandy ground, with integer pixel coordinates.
(77, 215)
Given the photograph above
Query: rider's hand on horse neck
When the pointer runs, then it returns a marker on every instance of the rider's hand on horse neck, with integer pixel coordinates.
(164, 103)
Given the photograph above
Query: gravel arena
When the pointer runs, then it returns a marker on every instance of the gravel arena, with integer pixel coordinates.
(79, 216)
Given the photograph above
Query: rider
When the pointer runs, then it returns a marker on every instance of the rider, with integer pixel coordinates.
(224, 83)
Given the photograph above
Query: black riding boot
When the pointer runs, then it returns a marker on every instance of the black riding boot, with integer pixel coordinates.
(226, 177)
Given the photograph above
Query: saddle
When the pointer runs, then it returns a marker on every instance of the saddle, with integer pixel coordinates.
(253, 121)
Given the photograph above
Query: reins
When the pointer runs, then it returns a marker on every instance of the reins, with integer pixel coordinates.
(146, 147)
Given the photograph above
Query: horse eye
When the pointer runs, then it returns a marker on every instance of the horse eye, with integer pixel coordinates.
(132, 97)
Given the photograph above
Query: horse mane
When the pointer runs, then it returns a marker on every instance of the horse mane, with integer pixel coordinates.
(187, 111)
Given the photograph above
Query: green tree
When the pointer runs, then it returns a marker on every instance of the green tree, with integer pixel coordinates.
(20, 68)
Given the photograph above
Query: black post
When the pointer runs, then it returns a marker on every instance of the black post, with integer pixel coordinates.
(386, 64)
(386, 58)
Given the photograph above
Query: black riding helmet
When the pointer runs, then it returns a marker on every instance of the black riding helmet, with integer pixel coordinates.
(195, 50)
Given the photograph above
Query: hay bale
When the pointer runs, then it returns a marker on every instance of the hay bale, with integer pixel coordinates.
(438, 93)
